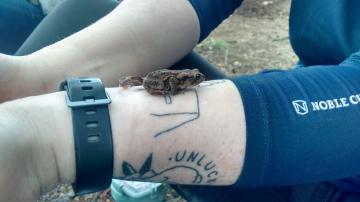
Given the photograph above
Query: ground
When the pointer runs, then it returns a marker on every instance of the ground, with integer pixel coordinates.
(254, 38)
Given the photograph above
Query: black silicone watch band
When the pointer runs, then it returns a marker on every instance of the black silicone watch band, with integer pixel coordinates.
(92, 132)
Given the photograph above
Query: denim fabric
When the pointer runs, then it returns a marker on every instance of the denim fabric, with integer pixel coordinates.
(18, 18)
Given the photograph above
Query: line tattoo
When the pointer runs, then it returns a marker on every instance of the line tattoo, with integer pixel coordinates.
(211, 83)
(193, 115)
(168, 99)
(192, 165)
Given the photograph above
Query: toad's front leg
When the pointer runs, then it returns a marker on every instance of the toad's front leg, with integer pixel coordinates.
(174, 85)
(155, 86)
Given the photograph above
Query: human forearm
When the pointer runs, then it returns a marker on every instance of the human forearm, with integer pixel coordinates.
(135, 38)
(207, 147)
(191, 139)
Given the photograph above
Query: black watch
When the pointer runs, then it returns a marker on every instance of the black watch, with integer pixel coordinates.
(92, 133)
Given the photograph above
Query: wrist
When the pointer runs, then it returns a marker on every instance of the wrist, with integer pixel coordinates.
(62, 141)
(50, 125)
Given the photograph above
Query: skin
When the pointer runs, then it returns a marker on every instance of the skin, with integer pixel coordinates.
(36, 139)
(133, 31)
(37, 132)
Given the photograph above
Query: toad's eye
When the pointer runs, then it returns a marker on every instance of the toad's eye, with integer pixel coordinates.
(198, 76)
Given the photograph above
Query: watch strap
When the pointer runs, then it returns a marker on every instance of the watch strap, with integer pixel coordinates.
(92, 134)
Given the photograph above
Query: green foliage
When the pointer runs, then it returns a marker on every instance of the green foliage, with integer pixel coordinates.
(218, 44)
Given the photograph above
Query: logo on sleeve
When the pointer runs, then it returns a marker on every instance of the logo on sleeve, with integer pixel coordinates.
(300, 107)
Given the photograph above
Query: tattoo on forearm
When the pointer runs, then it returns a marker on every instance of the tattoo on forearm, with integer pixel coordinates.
(211, 83)
(192, 115)
(168, 99)
(196, 159)
(191, 165)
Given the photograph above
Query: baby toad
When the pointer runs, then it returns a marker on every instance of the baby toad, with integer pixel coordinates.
(165, 81)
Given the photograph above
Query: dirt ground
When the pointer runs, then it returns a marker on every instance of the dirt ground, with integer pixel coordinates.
(254, 38)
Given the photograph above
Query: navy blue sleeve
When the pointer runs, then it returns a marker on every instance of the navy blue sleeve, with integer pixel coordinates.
(212, 12)
(303, 125)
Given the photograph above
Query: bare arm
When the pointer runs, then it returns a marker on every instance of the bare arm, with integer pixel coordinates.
(191, 138)
(135, 38)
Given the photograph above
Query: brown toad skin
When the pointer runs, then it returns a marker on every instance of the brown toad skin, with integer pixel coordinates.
(165, 81)
(130, 81)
